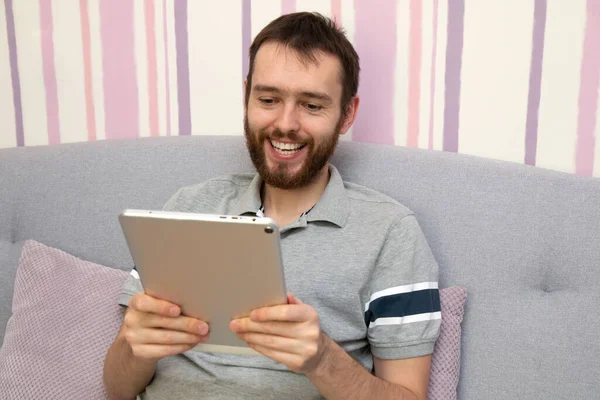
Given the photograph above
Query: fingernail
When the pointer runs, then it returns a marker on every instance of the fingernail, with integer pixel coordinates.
(173, 310)
(203, 329)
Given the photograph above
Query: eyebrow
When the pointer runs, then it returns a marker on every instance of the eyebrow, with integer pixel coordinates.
(312, 95)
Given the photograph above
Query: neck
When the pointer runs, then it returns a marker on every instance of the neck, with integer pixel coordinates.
(285, 206)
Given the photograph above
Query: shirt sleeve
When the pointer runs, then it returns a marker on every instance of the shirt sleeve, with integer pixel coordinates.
(402, 301)
(133, 284)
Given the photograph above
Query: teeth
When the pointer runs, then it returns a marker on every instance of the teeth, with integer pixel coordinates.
(285, 146)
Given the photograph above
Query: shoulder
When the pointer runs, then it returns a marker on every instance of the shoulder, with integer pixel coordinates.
(211, 195)
(369, 203)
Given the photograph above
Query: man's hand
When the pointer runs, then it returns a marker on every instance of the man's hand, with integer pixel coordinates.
(289, 334)
(155, 328)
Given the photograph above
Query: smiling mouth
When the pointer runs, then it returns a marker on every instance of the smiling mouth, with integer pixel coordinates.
(286, 149)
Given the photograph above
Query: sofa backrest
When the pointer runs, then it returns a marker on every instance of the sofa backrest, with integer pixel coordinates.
(524, 241)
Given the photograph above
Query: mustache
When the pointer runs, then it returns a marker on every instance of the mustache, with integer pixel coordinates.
(278, 134)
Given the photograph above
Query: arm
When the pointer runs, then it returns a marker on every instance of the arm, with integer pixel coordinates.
(125, 375)
(339, 376)
(291, 334)
(151, 329)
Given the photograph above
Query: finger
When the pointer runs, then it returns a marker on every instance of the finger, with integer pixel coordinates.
(162, 336)
(145, 303)
(273, 342)
(287, 312)
(157, 351)
(293, 300)
(181, 323)
(286, 329)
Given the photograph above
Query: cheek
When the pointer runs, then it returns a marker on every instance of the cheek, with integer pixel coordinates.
(259, 118)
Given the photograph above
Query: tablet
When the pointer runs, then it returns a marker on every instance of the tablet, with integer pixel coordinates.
(215, 267)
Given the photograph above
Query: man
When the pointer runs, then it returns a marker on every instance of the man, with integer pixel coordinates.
(363, 312)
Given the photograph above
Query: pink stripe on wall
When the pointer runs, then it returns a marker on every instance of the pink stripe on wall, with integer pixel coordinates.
(119, 71)
(288, 6)
(152, 70)
(87, 70)
(432, 76)
(336, 11)
(375, 42)
(535, 81)
(49, 71)
(454, 50)
(588, 92)
(14, 71)
(168, 86)
(414, 73)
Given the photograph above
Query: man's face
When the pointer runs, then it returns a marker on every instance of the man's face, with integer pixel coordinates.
(293, 116)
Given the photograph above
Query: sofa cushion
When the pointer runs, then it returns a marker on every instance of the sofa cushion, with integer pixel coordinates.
(65, 316)
(55, 346)
(445, 362)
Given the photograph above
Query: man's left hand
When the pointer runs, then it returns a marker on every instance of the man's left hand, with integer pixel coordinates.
(289, 334)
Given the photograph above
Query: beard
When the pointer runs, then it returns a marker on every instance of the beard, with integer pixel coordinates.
(280, 176)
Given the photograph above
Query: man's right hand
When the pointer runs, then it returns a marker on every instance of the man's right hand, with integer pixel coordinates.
(155, 328)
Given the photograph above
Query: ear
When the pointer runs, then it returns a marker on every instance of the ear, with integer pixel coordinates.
(351, 111)
(244, 98)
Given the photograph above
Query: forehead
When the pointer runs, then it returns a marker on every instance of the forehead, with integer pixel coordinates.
(279, 66)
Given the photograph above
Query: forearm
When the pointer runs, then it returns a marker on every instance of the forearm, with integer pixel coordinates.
(341, 377)
(125, 376)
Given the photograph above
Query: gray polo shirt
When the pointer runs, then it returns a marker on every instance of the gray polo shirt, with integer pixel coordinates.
(358, 257)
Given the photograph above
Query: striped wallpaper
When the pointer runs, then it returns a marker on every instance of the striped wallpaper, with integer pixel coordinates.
(516, 80)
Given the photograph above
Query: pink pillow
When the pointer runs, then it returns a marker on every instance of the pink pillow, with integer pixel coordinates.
(445, 362)
(65, 315)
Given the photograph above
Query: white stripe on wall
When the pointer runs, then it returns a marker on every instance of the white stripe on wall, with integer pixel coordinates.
(440, 77)
(215, 81)
(8, 128)
(31, 74)
(401, 76)
(141, 62)
(495, 78)
(406, 320)
(263, 12)
(563, 50)
(172, 49)
(426, 59)
(68, 62)
(160, 68)
(347, 21)
(96, 61)
(320, 6)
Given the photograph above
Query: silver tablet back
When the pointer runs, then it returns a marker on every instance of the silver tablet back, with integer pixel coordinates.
(215, 267)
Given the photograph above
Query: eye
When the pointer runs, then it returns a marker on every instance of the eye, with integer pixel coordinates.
(267, 101)
(313, 107)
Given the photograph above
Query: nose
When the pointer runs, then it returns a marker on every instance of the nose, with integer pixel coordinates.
(287, 120)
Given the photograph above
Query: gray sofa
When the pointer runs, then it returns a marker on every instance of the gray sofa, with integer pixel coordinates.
(524, 241)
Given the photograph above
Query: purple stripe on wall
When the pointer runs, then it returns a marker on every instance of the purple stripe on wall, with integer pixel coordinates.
(119, 71)
(288, 6)
(14, 71)
(376, 46)
(168, 86)
(588, 92)
(535, 81)
(454, 49)
(433, 67)
(183, 72)
(49, 71)
(246, 35)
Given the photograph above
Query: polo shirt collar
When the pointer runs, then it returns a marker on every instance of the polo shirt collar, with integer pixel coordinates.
(332, 207)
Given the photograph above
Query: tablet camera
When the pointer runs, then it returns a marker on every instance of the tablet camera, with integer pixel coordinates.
(269, 229)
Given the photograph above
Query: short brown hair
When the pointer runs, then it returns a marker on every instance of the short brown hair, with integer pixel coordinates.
(307, 32)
